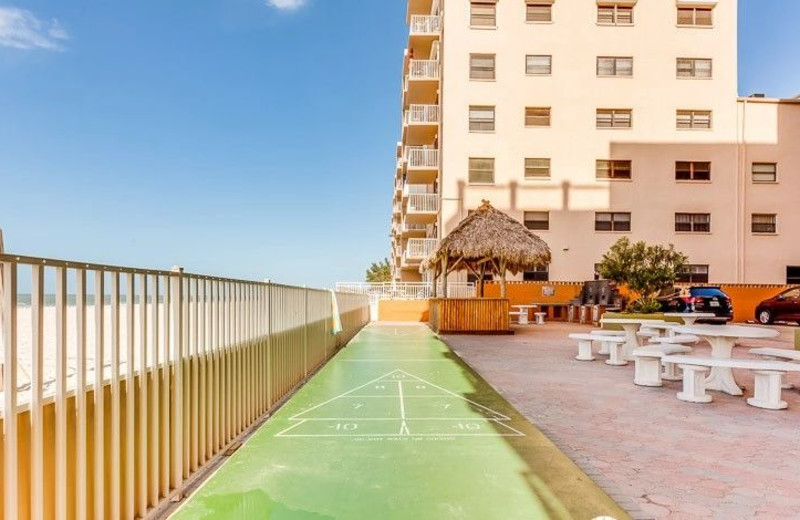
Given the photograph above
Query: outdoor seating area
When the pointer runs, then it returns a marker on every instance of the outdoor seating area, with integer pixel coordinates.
(656, 455)
(651, 344)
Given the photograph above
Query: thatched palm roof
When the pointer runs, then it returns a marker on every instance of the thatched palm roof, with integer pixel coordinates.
(489, 234)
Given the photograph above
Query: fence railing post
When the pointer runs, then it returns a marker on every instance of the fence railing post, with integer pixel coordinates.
(8, 309)
(176, 339)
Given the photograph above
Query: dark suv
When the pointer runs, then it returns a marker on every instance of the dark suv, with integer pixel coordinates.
(701, 299)
(783, 307)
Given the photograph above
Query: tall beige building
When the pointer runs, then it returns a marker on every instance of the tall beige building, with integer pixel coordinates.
(590, 121)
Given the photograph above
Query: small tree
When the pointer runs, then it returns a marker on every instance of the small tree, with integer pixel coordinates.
(380, 271)
(645, 270)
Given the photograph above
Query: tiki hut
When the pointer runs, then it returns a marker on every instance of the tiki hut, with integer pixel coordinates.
(487, 242)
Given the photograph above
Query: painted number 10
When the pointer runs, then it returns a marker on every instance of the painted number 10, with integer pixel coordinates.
(345, 427)
(468, 426)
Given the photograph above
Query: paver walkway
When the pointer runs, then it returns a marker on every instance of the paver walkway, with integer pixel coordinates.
(397, 427)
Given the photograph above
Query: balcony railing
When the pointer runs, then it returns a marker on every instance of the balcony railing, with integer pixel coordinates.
(420, 248)
(422, 25)
(423, 69)
(423, 203)
(417, 157)
(414, 227)
(422, 114)
(413, 189)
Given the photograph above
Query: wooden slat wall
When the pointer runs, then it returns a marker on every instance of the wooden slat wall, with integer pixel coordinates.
(471, 315)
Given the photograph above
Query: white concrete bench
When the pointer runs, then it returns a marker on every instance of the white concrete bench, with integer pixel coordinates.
(613, 343)
(767, 393)
(680, 339)
(522, 316)
(778, 354)
(647, 361)
(540, 316)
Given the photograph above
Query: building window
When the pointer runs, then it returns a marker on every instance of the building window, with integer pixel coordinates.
(694, 68)
(481, 170)
(538, 220)
(766, 223)
(693, 222)
(539, 274)
(481, 66)
(765, 172)
(537, 168)
(538, 12)
(692, 171)
(793, 274)
(481, 119)
(614, 14)
(614, 118)
(614, 66)
(613, 169)
(538, 65)
(695, 16)
(694, 273)
(606, 221)
(483, 14)
(537, 116)
(693, 119)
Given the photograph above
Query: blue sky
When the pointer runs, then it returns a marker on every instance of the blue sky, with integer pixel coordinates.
(155, 133)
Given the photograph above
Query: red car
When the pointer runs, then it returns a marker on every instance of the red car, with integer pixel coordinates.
(783, 307)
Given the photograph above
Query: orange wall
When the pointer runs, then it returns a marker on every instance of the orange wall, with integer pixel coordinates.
(403, 310)
(744, 297)
(521, 293)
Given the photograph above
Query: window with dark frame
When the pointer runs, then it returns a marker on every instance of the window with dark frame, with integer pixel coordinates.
(537, 220)
(481, 119)
(538, 12)
(539, 274)
(792, 274)
(692, 171)
(765, 172)
(700, 68)
(613, 66)
(481, 170)
(483, 14)
(537, 116)
(692, 222)
(606, 169)
(614, 118)
(764, 223)
(538, 64)
(612, 221)
(696, 16)
(695, 273)
(481, 66)
(537, 168)
(693, 119)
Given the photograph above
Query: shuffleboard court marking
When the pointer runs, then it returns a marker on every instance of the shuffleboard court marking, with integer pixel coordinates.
(407, 424)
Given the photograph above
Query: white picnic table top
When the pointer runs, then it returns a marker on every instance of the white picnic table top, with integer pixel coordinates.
(630, 321)
(728, 331)
(525, 306)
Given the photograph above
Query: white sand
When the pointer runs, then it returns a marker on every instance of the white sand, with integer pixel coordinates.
(24, 347)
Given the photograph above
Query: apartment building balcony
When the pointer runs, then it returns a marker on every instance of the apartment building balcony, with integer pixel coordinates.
(422, 208)
(424, 26)
(417, 7)
(422, 165)
(409, 230)
(421, 82)
(417, 250)
(420, 124)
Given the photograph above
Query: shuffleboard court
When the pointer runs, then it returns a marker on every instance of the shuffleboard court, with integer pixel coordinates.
(397, 427)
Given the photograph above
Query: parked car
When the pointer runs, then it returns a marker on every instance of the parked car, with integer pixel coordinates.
(700, 299)
(783, 307)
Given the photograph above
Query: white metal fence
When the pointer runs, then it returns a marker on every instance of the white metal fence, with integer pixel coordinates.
(418, 157)
(422, 114)
(406, 290)
(423, 203)
(127, 381)
(423, 69)
(425, 24)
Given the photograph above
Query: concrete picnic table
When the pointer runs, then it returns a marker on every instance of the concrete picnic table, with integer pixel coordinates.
(631, 326)
(722, 339)
(523, 319)
(667, 327)
(690, 317)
